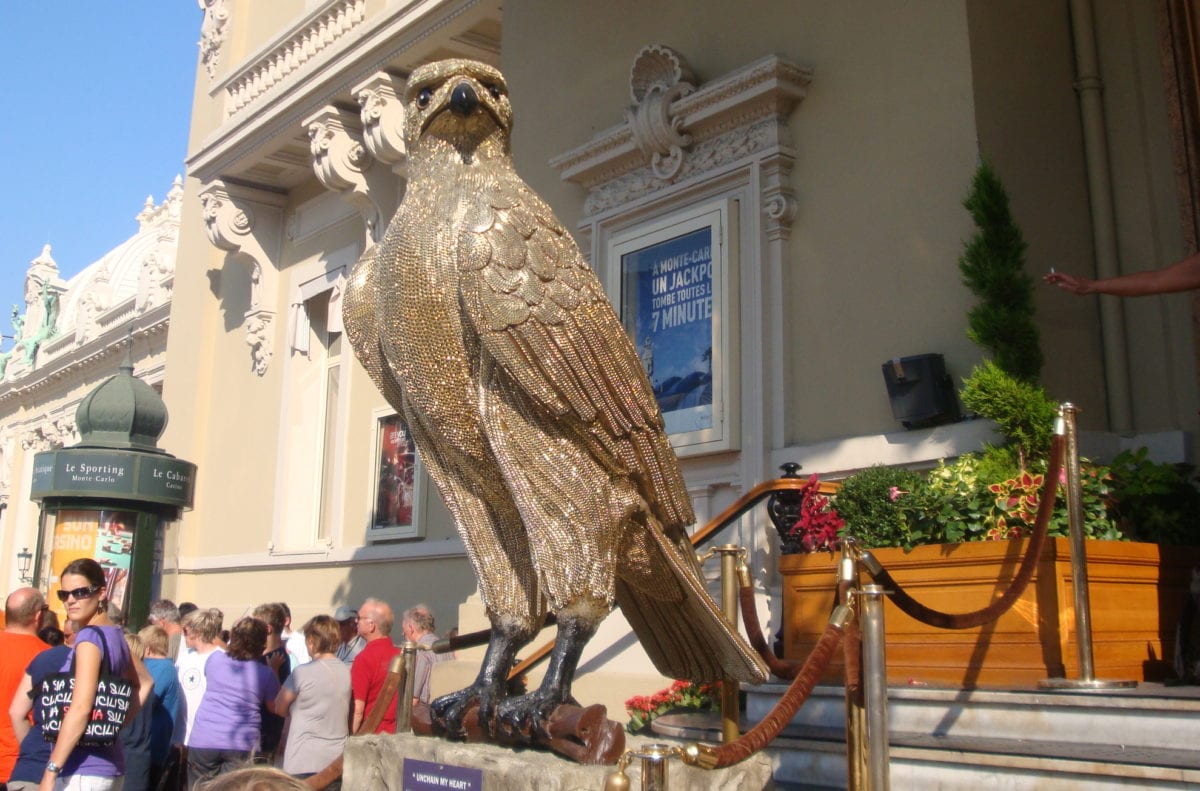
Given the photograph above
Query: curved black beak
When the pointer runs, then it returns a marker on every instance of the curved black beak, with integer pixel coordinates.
(463, 99)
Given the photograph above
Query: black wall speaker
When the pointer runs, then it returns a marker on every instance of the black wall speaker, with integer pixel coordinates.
(921, 392)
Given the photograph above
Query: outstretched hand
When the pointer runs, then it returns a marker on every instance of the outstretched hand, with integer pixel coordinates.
(1072, 283)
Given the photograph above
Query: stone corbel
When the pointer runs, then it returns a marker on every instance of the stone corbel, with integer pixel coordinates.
(382, 116)
(344, 165)
(248, 224)
(659, 76)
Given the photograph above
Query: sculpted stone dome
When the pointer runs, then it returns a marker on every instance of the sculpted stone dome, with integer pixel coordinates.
(122, 412)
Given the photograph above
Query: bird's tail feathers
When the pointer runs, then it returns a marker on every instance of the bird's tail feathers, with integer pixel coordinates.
(684, 633)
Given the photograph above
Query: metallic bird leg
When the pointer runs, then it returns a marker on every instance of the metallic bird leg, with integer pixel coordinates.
(522, 715)
(490, 685)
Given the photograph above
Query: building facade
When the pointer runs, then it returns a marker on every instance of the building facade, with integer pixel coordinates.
(68, 337)
(781, 179)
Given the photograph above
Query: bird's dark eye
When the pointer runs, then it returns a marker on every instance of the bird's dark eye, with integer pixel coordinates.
(495, 90)
(424, 97)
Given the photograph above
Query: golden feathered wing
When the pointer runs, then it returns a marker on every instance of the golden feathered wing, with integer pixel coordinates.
(541, 313)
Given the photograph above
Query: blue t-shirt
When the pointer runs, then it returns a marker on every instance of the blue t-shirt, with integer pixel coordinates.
(35, 751)
(167, 697)
(229, 716)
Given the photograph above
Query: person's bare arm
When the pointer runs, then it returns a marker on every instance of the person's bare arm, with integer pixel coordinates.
(22, 704)
(356, 720)
(1181, 276)
(283, 701)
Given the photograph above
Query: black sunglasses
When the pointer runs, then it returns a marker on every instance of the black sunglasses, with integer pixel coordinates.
(79, 593)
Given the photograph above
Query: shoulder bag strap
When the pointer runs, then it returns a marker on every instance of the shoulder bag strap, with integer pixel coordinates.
(105, 665)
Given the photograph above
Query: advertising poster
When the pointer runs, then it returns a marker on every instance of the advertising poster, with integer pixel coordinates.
(396, 487)
(106, 537)
(667, 306)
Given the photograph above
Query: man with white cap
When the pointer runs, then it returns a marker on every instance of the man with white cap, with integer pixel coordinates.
(352, 641)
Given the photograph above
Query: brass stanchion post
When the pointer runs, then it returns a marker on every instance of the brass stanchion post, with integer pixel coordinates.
(404, 705)
(730, 714)
(856, 720)
(1079, 573)
(875, 685)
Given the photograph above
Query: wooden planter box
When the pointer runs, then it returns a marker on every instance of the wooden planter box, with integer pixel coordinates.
(1137, 591)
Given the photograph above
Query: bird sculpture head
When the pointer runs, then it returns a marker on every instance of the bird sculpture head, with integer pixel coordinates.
(459, 109)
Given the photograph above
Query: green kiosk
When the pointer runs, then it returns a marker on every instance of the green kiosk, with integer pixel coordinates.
(110, 496)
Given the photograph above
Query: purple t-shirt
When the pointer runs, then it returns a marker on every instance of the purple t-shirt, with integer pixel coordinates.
(229, 715)
(100, 761)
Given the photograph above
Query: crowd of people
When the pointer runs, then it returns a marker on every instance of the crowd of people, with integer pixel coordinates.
(208, 702)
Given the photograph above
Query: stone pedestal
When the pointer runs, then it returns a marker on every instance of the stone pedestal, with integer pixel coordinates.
(376, 763)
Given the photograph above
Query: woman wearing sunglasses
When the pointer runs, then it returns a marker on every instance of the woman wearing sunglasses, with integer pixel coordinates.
(75, 767)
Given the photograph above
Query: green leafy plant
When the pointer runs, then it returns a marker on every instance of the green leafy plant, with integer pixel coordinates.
(1155, 501)
(868, 502)
(960, 501)
(993, 267)
(1021, 410)
(685, 695)
(953, 505)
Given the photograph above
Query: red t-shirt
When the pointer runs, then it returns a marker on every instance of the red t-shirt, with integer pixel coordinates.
(367, 675)
(16, 651)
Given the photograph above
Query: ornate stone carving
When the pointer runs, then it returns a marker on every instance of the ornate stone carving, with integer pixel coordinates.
(64, 431)
(659, 76)
(155, 281)
(51, 433)
(248, 224)
(165, 214)
(343, 164)
(258, 328)
(95, 300)
(212, 33)
(313, 35)
(382, 116)
(739, 117)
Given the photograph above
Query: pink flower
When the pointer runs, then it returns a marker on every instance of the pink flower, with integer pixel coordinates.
(894, 493)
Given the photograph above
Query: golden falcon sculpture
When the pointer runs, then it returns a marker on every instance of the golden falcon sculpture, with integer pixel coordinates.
(478, 318)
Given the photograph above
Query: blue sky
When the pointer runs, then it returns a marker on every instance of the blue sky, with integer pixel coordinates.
(99, 98)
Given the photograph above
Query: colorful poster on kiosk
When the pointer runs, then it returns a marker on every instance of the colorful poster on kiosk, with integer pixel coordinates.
(104, 536)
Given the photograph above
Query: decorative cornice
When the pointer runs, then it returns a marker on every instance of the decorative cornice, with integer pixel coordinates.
(212, 34)
(757, 97)
(714, 153)
(309, 38)
(91, 355)
(401, 31)
(382, 116)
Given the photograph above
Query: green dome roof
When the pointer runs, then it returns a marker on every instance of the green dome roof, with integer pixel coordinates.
(122, 412)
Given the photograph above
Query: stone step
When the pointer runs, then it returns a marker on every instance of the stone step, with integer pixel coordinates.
(1019, 740)
(1149, 715)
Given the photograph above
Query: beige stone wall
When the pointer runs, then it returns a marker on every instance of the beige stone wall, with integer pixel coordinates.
(885, 144)
(319, 589)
